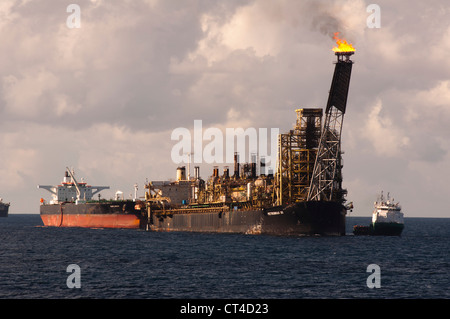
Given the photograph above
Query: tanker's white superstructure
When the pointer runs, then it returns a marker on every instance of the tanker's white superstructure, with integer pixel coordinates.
(72, 191)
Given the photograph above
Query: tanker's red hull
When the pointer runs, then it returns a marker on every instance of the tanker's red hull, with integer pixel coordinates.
(92, 221)
(91, 215)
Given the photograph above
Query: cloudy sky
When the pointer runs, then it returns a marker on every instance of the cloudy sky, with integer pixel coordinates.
(105, 98)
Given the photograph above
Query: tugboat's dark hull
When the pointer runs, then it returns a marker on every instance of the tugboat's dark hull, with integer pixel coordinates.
(307, 218)
(379, 229)
(387, 229)
(117, 214)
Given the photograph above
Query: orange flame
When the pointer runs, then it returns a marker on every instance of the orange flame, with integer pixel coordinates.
(343, 45)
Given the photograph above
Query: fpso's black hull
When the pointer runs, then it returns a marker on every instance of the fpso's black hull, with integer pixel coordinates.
(307, 218)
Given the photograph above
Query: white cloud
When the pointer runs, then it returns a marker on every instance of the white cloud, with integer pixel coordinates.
(385, 136)
(25, 95)
(437, 97)
(267, 27)
(64, 106)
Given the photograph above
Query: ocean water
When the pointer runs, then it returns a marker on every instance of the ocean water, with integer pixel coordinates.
(119, 263)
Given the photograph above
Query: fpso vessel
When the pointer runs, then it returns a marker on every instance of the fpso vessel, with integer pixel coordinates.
(306, 218)
(305, 197)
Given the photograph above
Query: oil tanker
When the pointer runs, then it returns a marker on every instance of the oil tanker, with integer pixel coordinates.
(303, 197)
(72, 205)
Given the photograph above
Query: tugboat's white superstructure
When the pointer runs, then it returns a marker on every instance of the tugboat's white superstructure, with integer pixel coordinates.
(387, 211)
(387, 217)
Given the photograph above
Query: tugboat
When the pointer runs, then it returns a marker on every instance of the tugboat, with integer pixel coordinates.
(387, 219)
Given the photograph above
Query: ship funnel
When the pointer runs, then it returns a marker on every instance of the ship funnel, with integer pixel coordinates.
(253, 166)
(236, 165)
(226, 172)
(197, 172)
(262, 166)
(216, 171)
(181, 173)
(66, 177)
